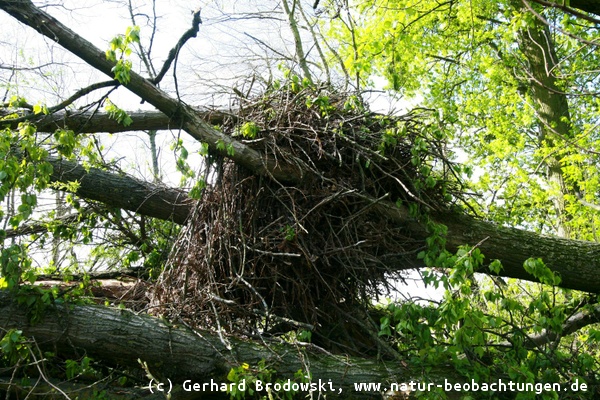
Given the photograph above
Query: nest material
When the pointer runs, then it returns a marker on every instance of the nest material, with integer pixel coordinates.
(260, 256)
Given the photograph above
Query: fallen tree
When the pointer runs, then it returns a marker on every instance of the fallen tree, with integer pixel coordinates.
(171, 353)
(174, 352)
(573, 260)
(512, 246)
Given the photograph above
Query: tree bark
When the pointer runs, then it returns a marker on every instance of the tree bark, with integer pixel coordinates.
(576, 262)
(119, 337)
(552, 109)
(123, 191)
(96, 122)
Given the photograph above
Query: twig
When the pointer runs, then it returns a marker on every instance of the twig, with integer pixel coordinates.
(190, 33)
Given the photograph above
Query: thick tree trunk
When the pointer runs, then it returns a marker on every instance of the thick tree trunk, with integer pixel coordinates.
(552, 109)
(122, 338)
(577, 262)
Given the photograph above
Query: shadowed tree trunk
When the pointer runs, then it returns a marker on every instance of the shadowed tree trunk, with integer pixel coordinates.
(577, 262)
(177, 353)
(552, 108)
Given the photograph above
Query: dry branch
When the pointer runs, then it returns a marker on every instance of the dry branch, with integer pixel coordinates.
(189, 34)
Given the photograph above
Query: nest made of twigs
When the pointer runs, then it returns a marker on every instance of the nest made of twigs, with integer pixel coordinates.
(260, 256)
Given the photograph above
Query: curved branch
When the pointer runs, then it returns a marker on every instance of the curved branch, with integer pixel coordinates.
(572, 325)
(189, 34)
(63, 104)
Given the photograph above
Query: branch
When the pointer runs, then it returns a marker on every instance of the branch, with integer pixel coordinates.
(591, 7)
(586, 203)
(141, 197)
(40, 227)
(190, 33)
(97, 122)
(181, 114)
(64, 104)
(576, 262)
(572, 325)
(86, 390)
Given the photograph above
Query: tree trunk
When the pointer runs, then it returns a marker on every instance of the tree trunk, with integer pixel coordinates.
(576, 262)
(120, 337)
(590, 6)
(552, 109)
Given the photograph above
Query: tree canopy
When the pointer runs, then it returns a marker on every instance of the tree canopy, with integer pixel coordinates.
(277, 242)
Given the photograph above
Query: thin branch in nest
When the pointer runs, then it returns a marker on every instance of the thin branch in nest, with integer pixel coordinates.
(274, 254)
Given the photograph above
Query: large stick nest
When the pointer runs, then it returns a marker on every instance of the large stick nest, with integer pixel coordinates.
(260, 256)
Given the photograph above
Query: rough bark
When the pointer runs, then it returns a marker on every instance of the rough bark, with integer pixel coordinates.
(552, 109)
(96, 122)
(126, 192)
(122, 338)
(577, 262)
